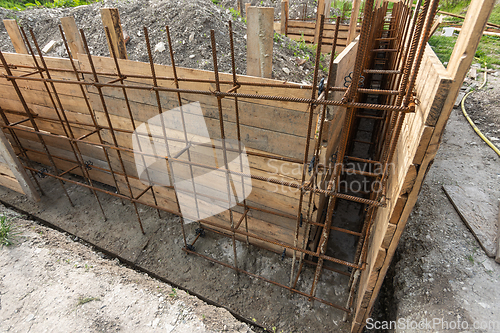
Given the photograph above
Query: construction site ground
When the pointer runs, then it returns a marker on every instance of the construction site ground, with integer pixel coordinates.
(439, 270)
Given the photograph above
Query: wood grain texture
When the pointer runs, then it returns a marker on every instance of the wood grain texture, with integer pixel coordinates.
(111, 19)
(15, 36)
(72, 36)
(260, 41)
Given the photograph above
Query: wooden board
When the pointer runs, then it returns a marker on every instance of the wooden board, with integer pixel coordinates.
(12, 172)
(260, 41)
(478, 212)
(15, 36)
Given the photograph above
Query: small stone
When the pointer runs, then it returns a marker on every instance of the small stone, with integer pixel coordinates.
(192, 56)
(30, 317)
(286, 70)
(191, 37)
(126, 37)
(160, 47)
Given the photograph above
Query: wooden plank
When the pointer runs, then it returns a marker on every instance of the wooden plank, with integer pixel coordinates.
(398, 209)
(72, 36)
(461, 59)
(248, 4)
(354, 20)
(11, 183)
(143, 105)
(478, 212)
(111, 19)
(15, 36)
(423, 144)
(106, 65)
(391, 229)
(409, 181)
(284, 17)
(260, 41)
(24, 184)
(312, 25)
(436, 24)
(320, 11)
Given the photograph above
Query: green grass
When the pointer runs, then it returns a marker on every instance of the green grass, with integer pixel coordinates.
(342, 8)
(24, 4)
(495, 15)
(8, 231)
(84, 300)
(487, 51)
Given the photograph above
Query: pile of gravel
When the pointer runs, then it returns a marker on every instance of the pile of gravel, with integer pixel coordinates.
(189, 22)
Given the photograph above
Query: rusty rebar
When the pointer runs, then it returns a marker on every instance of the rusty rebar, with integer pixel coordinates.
(112, 132)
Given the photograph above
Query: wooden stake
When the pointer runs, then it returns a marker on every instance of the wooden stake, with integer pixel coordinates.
(260, 41)
(320, 11)
(111, 19)
(353, 24)
(72, 36)
(284, 17)
(15, 36)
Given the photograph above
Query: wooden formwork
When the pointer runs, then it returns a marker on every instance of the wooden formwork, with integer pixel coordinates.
(282, 126)
(436, 90)
(308, 31)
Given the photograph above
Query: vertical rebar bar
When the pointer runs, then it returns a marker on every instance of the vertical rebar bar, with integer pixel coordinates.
(238, 129)
(229, 182)
(33, 123)
(69, 132)
(171, 173)
(91, 112)
(129, 110)
(308, 141)
(110, 125)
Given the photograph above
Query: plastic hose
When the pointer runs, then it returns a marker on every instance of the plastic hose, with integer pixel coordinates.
(477, 130)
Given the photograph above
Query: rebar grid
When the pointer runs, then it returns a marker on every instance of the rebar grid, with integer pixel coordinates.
(351, 102)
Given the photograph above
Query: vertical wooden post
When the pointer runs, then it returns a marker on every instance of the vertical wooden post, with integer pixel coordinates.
(15, 36)
(284, 17)
(111, 19)
(10, 158)
(240, 7)
(72, 36)
(320, 11)
(328, 8)
(353, 24)
(260, 32)
(248, 4)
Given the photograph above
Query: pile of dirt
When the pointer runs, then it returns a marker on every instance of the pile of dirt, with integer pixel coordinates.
(189, 23)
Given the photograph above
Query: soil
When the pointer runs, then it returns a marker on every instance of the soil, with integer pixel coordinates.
(51, 282)
(189, 23)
